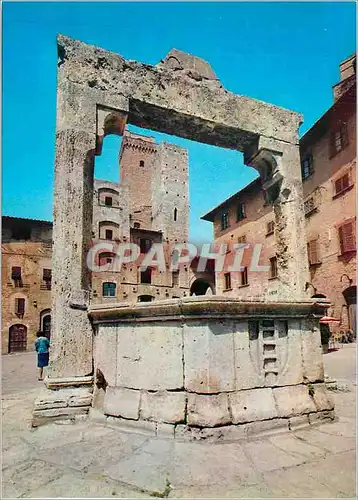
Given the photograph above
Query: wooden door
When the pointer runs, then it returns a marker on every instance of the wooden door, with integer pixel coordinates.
(17, 338)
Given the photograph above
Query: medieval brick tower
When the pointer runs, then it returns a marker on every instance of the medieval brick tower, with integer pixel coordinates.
(149, 205)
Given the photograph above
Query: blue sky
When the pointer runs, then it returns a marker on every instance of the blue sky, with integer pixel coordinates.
(284, 53)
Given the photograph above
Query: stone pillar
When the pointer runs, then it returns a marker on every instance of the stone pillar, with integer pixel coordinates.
(71, 341)
(280, 169)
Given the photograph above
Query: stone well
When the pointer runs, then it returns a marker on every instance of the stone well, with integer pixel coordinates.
(208, 366)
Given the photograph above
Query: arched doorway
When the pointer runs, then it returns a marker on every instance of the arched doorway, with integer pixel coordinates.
(199, 287)
(17, 338)
(45, 322)
(350, 296)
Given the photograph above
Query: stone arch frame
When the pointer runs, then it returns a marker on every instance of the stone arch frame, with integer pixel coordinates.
(189, 102)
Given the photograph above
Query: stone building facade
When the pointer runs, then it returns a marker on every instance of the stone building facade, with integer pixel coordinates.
(26, 282)
(328, 164)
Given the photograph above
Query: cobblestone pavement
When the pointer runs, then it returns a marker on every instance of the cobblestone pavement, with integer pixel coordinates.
(91, 459)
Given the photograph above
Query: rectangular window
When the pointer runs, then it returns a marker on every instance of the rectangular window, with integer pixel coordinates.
(342, 184)
(47, 274)
(313, 253)
(309, 205)
(339, 139)
(244, 277)
(16, 273)
(109, 234)
(146, 276)
(227, 277)
(270, 228)
(273, 267)
(224, 220)
(109, 289)
(19, 307)
(108, 201)
(145, 245)
(240, 212)
(347, 237)
(175, 278)
(307, 166)
(241, 239)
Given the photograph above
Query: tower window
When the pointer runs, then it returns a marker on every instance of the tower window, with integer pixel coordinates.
(16, 273)
(20, 307)
(108, 201)
(175, 214)
(109, 289)
(141, 163)
(175, 278)
(146, 276)
(240, 212)
(109, 234)
(227, 277)
(145, 245)
(224, 220)
(273, 267)
(244, 278)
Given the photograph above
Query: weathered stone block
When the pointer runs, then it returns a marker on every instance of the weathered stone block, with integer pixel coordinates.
(293, 400)
(149, 356)
(266, 427)
(311, 352)
(288, 350)
(246, 358)
(226, 433)
(186, 433)
(138, 426)
(208, 355)
(165, 430)
(41, 417)
(208, 410)
(298, 422)
(105, 352)
(321, 417)
(80, 400)
(251, 405)
(321, 398)
(163, 406)
(121, 402)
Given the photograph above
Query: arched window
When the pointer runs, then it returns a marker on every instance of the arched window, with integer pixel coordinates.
(175, 214)
(105, 258)
(141, 163)
(45, 322)
(109, 289)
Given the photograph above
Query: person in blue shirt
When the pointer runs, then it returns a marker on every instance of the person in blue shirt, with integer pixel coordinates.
(42, 345)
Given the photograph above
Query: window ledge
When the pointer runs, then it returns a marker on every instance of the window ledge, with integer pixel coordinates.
(315, 264)
(269, 234)
(244, 286)
(273, 278)
(345, 190)
(227, 289)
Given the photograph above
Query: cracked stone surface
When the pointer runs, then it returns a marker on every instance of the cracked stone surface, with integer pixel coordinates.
(90, 459)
